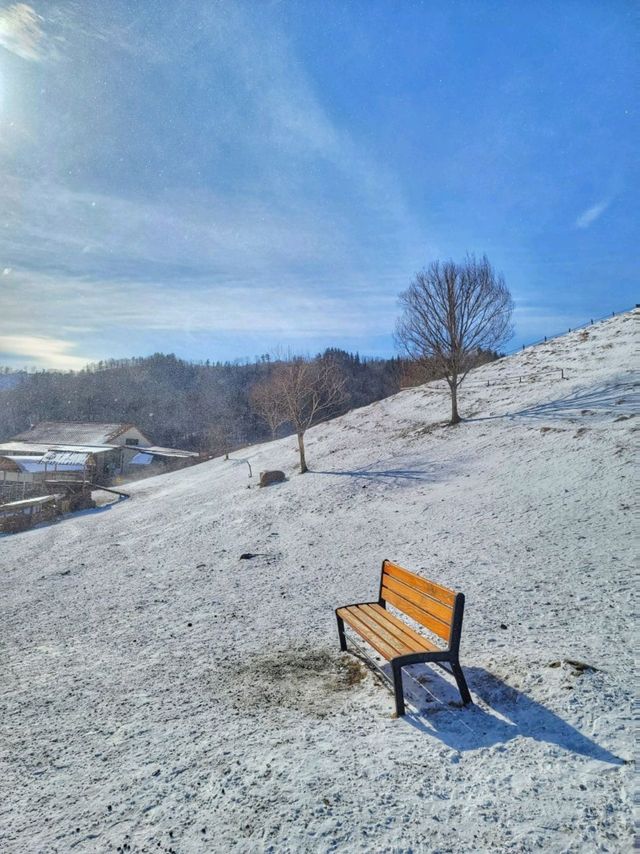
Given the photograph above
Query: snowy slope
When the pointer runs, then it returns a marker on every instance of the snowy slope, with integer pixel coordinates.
(161, 694)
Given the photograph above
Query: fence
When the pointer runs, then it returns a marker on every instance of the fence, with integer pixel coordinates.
(584, 325)
(520, 375)
(16, 485)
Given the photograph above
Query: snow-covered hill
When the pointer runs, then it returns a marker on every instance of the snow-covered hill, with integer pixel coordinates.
(158, 693)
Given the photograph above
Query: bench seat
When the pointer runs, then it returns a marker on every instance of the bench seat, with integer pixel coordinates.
(386, 633)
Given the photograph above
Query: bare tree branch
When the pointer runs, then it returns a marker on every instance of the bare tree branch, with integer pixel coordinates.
(267, 406)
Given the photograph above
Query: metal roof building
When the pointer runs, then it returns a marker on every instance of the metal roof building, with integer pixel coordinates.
(78, 433)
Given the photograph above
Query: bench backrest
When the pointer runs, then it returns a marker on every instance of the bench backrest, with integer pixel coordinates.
(437, 608)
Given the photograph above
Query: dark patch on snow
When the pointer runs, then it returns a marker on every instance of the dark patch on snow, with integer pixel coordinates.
(302, 679)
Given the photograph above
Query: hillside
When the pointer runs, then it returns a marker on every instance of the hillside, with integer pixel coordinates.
(161, 694)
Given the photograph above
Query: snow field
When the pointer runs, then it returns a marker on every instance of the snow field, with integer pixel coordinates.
(160, 694)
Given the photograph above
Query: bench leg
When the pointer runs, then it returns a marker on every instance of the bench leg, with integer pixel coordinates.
(462, 682)
(397, 687)
(343, 640)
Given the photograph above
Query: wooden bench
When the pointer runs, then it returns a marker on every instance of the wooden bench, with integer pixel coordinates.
(437, 608)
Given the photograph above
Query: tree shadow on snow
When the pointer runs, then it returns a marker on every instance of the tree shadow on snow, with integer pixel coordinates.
(393, 474)
(617, 398)
(426, 473)
(499, 713)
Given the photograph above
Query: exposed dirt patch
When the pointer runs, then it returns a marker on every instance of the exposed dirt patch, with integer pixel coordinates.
(417, 432)
(309, 681)
(577, 667)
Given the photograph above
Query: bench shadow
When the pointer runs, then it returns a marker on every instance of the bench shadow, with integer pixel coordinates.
(499, 714)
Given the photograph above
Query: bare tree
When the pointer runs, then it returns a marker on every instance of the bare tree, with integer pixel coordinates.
(301, 391)
(452, 312)
(266, 403)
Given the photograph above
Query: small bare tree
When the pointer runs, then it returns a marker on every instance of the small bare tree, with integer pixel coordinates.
(452, 312)
(300, 392)
(267, 406)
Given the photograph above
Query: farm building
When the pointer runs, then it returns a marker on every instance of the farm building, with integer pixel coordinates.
(83, 433)
(55, 451)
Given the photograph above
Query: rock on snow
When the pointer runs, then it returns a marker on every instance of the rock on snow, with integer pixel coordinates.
(157, 693)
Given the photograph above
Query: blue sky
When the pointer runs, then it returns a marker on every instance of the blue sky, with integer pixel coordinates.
(222, 179)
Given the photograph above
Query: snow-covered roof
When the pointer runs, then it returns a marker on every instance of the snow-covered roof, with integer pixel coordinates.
(34, 448)
(74, 432)
(66, 462)
(66, 458)
(166, 452)
(25, 463)
(141, 460)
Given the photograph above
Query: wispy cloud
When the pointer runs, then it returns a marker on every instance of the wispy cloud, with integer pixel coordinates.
(39, 351)
(21, 32)
(590, 215)
(34, 304)
(83, 232)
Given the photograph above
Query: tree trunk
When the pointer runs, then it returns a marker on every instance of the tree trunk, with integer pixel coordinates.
(453, 385)
(303, 461)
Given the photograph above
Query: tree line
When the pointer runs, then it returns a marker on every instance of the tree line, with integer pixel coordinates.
(207, 407)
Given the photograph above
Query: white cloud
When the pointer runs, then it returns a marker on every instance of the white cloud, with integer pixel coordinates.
(40, 351)
(590, 215)
(36, 303)
(21, 32)
(233, 233)
(302, 185)
(204, 264)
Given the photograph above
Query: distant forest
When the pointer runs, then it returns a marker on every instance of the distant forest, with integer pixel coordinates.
(197, 406)
(202, 407)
